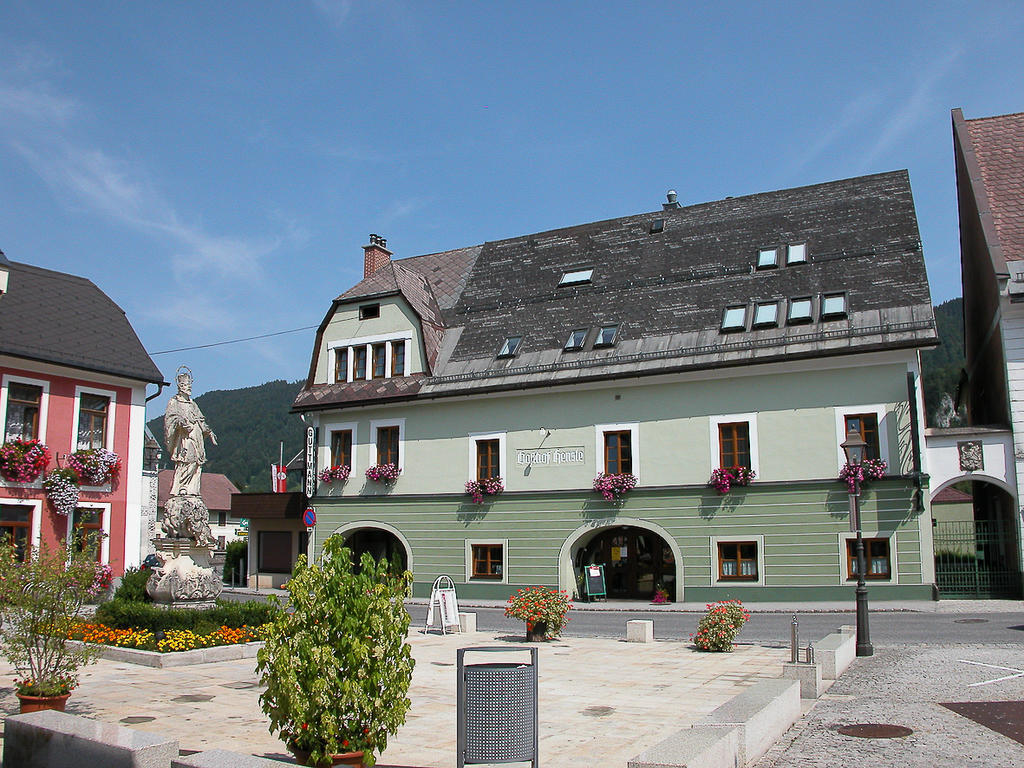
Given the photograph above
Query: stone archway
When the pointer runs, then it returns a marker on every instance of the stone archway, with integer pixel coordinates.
(381, 540)
(648, 554)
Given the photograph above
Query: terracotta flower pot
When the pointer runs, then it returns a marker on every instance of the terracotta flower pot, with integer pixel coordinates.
(38, 703)
(537, 632)
(354, 759)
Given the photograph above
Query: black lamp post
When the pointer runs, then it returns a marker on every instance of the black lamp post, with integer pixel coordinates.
(854, 448)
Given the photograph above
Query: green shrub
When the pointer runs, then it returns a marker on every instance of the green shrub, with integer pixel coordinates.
(234, 553)
(133, 586)
(717, 630)
(125, 614)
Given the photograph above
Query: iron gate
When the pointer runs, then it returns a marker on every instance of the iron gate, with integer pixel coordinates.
(975, 559)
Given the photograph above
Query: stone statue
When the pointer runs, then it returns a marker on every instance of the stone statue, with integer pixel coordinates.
(184, 430)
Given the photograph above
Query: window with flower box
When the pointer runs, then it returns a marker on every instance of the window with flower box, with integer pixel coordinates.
(876, 556)
(24, 407)
(618, 452)
(92, 421)
(734, 444)
(387, 441)
(341, 448)
(488, 459)
(865, 425)
(16, 527)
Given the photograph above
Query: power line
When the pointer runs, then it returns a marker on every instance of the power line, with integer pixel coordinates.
(234, 341)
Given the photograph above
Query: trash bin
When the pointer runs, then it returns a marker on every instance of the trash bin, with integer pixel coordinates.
(497, 709)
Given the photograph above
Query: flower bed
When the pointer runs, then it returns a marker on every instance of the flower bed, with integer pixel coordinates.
(170, 641)
(22, 461)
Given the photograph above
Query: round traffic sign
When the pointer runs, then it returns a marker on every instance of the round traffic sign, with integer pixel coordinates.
(309, 517)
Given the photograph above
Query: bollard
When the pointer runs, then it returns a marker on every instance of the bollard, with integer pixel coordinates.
(794, 640)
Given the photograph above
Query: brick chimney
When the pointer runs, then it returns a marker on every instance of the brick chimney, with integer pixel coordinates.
(375, 255)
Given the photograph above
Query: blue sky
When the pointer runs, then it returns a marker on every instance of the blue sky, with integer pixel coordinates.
(216, 167)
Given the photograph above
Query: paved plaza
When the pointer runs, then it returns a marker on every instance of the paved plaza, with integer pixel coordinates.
(601, 701)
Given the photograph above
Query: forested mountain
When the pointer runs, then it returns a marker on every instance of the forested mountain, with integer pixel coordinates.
(250, 424)
(942, 366)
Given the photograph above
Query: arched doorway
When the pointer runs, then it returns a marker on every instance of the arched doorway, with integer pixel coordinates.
(636, 562)
(379, 541)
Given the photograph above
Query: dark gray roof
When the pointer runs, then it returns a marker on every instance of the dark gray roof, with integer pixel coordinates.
(58, 318)
(667, 290)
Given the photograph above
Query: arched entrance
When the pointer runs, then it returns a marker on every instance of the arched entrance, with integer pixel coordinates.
(636, 561)
(382, 542)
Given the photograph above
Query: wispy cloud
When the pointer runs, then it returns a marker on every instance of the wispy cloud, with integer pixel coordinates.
(856, 110)
(399, 209)
(336, 11)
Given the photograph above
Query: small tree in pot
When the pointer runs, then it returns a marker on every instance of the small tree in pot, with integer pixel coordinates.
(337, 666)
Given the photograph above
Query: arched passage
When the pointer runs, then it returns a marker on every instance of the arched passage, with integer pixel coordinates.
(638, 557)
(381, 540)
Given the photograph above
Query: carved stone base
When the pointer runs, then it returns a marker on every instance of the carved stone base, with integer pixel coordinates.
(185, 578)
(187, 517)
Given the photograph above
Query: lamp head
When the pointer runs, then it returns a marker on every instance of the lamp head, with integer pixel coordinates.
(854, 447)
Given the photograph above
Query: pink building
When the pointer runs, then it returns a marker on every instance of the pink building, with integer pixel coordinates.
(73, 377)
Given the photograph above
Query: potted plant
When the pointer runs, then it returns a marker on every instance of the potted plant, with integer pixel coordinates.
(336, 665)
(61, 486)
(95, 466)
(719, 627)
(612, 486)
(22, 461)
(722, 480)
(488, 486)
(41, 598)
(544, 611)
(868, 469)
(336, 474)
(383, 473)
(660, 596)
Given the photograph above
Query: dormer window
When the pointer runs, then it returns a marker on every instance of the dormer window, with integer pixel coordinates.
(576, 339)
(799, 311)
(734, 318)
(766, 314)
(369, 312)
(796, 254)
(833, 306)
(576, 277)
(658, 225)
(511, 346)
(768, 258)
(606, 336)
(371, 358)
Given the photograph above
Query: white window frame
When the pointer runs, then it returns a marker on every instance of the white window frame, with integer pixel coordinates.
(368, 341)
(634, 445)
(104, 508)
(715, 447)
(502, 455)
(377, 424)
(503, 543)
(326, 428)
(844, 569)
(44, 401)
(35, 527)
(76, 411)
(880, 413)
(716, 581)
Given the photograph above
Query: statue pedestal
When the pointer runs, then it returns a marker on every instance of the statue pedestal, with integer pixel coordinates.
(186, 578)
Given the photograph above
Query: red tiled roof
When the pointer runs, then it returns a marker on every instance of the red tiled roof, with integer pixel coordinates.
(952, 495)
(998, 144)
(215, 488)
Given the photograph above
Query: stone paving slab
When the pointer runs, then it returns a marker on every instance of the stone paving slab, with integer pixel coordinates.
(601, 701)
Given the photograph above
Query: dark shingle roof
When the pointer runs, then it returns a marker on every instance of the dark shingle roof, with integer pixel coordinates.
(64, 319)
(667, 290)
(998, 144)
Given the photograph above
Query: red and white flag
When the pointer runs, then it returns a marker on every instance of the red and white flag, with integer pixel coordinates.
(279, 475)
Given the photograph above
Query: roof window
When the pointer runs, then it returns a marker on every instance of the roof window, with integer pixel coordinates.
(735, 318)
(606, 336)
(766, 314)
(576, 339)
(768, 258)
(511, 346)
(369, 311)
(833, 306)
(799, 310)
(796, 254)
(576, 276)
(658, 225)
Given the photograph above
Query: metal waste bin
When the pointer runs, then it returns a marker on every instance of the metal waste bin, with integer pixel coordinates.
(497, 709)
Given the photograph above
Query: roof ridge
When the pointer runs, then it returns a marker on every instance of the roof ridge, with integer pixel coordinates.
(993, 117)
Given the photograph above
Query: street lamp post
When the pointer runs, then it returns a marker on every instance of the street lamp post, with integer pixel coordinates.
(854, 448)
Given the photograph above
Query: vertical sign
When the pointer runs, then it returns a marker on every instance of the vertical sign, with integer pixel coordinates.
(310, 462)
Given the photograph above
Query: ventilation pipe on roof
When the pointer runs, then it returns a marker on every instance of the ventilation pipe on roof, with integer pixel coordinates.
(3, 273)
(673, 201)
(375, 255)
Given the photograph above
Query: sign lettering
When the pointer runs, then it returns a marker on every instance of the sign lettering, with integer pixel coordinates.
(550, 457)
(310, 462)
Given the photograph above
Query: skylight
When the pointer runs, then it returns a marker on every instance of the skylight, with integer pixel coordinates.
(766, 314)
(799, 310)
(796, 254)
(576, 339)
(606, 335)
(767, 258)
(577, 276)
(658, 225)
(734, 318)
(833, 305)
(511, 346)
